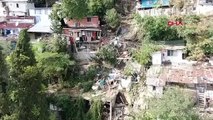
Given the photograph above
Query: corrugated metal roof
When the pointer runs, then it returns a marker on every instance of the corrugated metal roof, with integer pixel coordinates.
(153, 3)
(41, 27)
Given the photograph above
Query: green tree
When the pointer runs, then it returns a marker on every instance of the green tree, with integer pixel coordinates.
(95, 111)
(99, 7)
(25, 85)
(112, 18)
(4, 100)
(75, 9)
(54, 65)
(107, 54)
(56, 17)
(175, 104)
(198, 34)
(143, 54)
(156, 28)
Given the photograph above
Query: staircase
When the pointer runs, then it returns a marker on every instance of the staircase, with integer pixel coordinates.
(201, 100)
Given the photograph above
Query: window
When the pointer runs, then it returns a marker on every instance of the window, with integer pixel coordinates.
(78, 34)
(17, 5)
(208, 1)
(3, 4)
(89, 19)
(38, 11)
(153, 88)
(77, 24)
(170, 52)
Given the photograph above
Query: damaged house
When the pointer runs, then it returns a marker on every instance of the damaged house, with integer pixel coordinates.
(170, 68)
(195, 78)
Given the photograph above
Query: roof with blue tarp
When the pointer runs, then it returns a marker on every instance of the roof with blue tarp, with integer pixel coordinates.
(153, 3)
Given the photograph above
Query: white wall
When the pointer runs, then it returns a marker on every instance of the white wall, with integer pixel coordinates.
(157, 58)
(176, 58)
(158, 92)
(41, 14)
(16, 7)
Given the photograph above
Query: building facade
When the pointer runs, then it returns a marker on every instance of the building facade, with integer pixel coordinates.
(164, 7)
(13, 25)
(86, 29)
(15, 7)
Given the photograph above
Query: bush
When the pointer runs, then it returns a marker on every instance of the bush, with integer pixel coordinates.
(112, 18)
(107, 54)
(156, 28)
(143, 55)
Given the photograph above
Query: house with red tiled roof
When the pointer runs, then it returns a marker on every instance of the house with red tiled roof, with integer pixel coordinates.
(85, 30)
(13, 24)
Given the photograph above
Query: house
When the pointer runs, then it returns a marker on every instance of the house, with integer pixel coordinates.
(86, 29)
(13, 25)
(40, 13)
(15, 7)
(43, 22)
(171, 53)
(149, 7)
(164, 7)
(204, 7)
(197, 78)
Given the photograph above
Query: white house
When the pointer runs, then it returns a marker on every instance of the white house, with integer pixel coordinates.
(168, 55)
(43, 22)
(41, 14)
(15, 7)
(204, 7)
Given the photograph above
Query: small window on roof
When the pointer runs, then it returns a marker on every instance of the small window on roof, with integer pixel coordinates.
(17, 5)
(88, 19)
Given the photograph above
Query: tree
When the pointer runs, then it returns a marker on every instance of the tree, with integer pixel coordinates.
(99, 7)
(112, 18)
(25, 85)
(6, 47)
(52, 58)
(175, 104)
(95, 111)
(198, 34)
(156, 28)
(75, 9)
(107, 54)
(143, 55)
(4, 101)
(56, 17)
(54, 65)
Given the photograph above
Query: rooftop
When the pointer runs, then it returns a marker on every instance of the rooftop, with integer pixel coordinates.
(4, 25)
(186, 75)
(158, 75)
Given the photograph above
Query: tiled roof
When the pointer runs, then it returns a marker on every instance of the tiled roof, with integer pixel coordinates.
(187, 75)
(14, 25)
(83, 23)
(20, 17)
